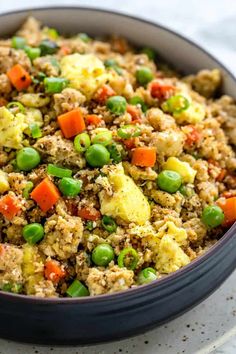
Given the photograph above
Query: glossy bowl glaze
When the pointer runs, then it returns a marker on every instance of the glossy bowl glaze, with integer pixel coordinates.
(109, 317)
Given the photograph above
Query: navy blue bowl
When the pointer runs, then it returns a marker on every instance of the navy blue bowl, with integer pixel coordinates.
(110, 317)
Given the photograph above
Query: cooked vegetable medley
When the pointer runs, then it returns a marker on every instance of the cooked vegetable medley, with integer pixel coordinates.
(114, 170)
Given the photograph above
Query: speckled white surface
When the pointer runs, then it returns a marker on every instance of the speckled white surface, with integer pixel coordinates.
(211, 326)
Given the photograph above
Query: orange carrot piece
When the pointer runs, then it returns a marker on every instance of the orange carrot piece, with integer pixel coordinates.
(229, 208)
(9, 206)
(53, 271)
(93, 119)
(130, 143)
(144, 156)
(89, 214)
(103, 93)
(192, 135)
(160, 90)
(45, 194)
(71, 123)
(3, 102)
(221, 175)
(19, 77)
(135, 114)
(64, 50)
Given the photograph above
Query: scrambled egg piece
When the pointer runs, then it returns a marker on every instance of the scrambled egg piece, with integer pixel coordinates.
(33, 268)
(4, 185)
(127, 201)
(194, 114)
(183, 168)
(85, 72)
(170, 255)
(11, 129)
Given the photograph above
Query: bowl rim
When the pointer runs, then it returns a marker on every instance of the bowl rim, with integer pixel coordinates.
(175, 275)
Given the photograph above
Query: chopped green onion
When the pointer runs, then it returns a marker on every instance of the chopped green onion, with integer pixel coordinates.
(28, 188)
(41, 76)
(128, 131)
(35, 130)
(32, 53)
(186, 191)
(12, 287)
(77, 289)
(17, 105)
(128, 258)
(109, 224)
(48, 47)
(84, 37)
(82, 142)
(176, 104)
(59, 172)
(54, 84)
(90, 225)
(116, 152)
(146, 276)
(104, 138)
(18, 42)
(136, 100)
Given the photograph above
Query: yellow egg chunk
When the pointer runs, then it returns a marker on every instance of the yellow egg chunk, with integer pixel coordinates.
(33, 115)
(127, 201)
(4, 185)
(183, 168)
(170, 257)
(194, 114)
(85, 72)
(11, 129)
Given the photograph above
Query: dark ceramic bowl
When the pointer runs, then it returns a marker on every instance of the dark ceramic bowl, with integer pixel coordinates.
(109, 317)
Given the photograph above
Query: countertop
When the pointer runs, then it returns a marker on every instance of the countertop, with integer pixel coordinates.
(211, 326)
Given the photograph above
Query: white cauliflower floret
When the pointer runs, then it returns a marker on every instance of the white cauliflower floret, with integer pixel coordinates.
(11, 129)
(127, 201)
(169, 143)
(85, 72)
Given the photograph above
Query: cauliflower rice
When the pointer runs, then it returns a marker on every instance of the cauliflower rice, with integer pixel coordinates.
(114, 169)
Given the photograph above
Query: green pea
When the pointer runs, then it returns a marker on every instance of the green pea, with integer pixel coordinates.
(27, 159)
(109, 224)
(97, 155)
(151, 54)
(28, 188)
(144, 76)
(102, 255)
(212, 216)
(77, 289)
(146, 276)
(103, 138)
(33, 233)
(117, 105)
(128, 131)
(136, 100)
(169, 181)
(82, 142)
(70, 187)
(186, 191)
(48, 47)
